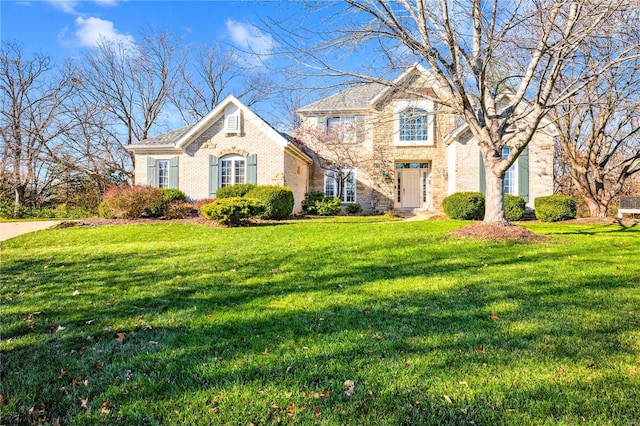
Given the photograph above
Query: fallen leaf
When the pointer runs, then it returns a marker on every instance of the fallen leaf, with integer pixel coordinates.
(591, 366)
(76, 293)
(55, 329)
(326, 393)
(105, 407)
(494, 316)
(31, 316)
(482, 349)
(266, 352)
(446, 398)
(89, 322)
(351, 387)
(63, 373)
(463, 383)
(83, 402)
(213, 410)
(120, 337)
(377, 336)
(58, 421)
(1, 400)
(316, 411)
(211, 316)
(75, 381)
(406, 364)
(292, 410)
(97, 366)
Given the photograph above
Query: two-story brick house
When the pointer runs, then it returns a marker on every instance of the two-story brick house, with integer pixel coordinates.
(418, 151)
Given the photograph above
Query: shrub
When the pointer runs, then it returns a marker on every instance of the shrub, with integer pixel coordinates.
(178, 210)
(132, 201)
(277, 200)
(354, 208)
(310, 200)
(555, 208)
(514, 207)
(64, 211)
(201, 202)
(103, 211)
(239, 190)
(168, 195)
(464, 205)
(329, 206)
(232, 211)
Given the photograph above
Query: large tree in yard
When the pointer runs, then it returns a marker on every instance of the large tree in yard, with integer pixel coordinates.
(599, 127)
(496, 63)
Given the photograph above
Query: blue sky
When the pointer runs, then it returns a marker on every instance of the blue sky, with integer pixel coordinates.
(61, 27)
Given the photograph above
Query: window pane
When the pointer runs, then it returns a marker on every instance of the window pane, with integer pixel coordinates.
(163, 174)
(349, 195)
(414, 125)
(239, 172)
(225, 173)
(330, 184)
(508, 186)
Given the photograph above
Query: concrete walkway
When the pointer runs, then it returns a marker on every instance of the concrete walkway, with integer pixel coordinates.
(13, 229)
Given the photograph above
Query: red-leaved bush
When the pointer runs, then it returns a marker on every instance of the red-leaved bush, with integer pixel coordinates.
(201, 202)
(129, 202)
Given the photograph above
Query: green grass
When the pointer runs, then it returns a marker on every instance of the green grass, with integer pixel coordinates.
(263, 325)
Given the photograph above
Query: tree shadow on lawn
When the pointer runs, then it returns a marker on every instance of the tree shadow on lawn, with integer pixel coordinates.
(285, 326)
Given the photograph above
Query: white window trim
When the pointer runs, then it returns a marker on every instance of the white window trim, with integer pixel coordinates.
(349, 131)
(398, 108)
(232, 157)
(167, 168)
(516, 177)
(355, 181)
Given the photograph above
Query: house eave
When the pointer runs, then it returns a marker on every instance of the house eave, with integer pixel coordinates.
(155, 148)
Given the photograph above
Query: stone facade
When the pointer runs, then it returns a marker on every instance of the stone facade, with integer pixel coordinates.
(436, 167)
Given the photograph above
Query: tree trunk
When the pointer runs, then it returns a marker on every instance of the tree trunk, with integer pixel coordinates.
(596, 208)
(494, 200)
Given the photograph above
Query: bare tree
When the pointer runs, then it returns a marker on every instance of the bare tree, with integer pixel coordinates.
(130, 87)
(32, 115)
(599, 127)
(214, 75)
(496, 63)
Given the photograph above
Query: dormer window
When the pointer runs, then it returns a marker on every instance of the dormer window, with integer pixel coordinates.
(413, 124)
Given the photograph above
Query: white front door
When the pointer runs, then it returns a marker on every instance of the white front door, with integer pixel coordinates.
(410, 196)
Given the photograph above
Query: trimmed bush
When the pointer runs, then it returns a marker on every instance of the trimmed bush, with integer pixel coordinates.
(554, 208)
(354, 208)
(310, 200)
(103, 211)
(169, 195)
(464, 205)
(329, 206)
(277, 200)
(178, 210)
(239, 190)
(514, 207)
(232, 211)
(128, 202)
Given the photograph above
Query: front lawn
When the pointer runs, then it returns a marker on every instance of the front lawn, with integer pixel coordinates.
(360, 321)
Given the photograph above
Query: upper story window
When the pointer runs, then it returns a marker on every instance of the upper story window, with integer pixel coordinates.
(232, 170)
(413, 123)
(163, 174)
(344, 128)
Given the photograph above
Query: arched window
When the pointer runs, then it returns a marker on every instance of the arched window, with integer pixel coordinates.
(414, 125)
(232, 170)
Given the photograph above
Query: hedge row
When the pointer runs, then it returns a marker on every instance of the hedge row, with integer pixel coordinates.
(471, 206)
(131, 202)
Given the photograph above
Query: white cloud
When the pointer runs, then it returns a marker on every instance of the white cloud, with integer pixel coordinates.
(90, 31)
(67, 6)
(70, 6)
(250, 39)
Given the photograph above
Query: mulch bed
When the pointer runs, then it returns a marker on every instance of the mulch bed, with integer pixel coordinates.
(485, 231)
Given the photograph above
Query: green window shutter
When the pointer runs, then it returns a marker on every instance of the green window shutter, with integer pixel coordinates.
(252, 169)
(151, 171)
(483, 176)
(173, 172)
(213, 176)
(322, 123)
(523, 174)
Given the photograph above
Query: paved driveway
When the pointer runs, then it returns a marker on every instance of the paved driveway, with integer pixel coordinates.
(13, 229)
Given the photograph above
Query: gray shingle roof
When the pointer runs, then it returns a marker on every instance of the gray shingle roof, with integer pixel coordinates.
(167, 139)
(354, 98)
